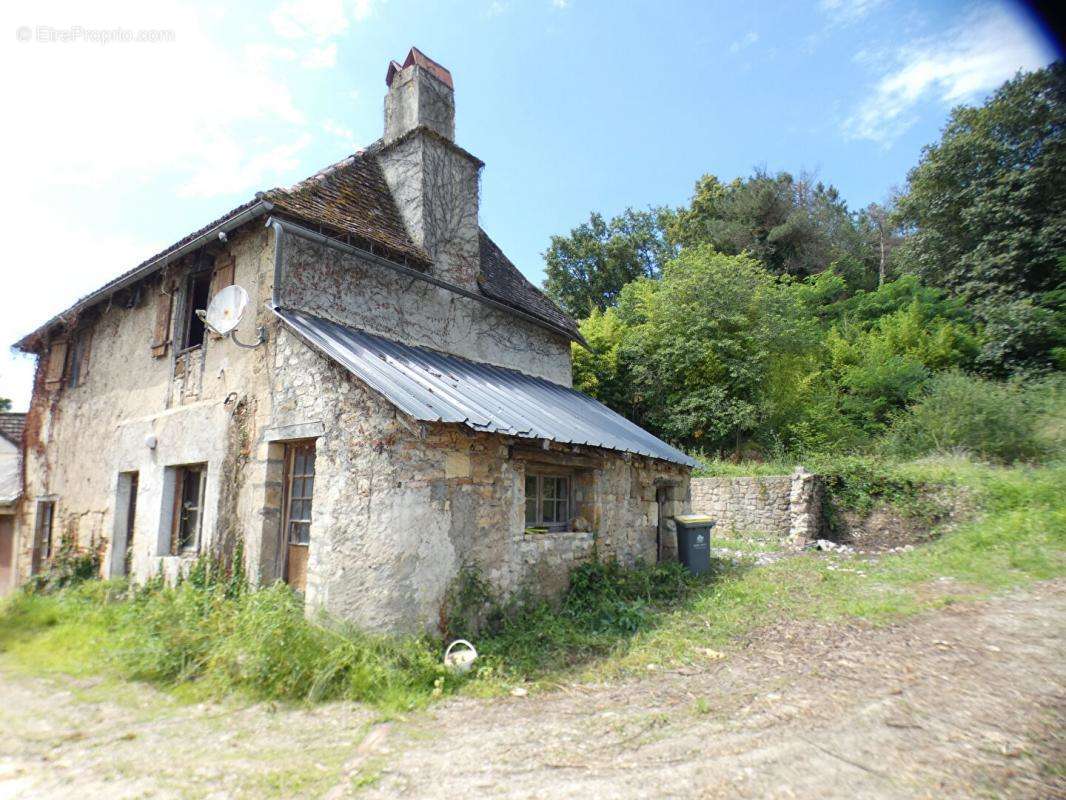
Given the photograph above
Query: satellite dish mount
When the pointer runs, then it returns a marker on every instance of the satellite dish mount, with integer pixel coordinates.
(224, 313)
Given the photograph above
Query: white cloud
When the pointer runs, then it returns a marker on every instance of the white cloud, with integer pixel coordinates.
(560, 4)
(310, 19)
(847, 11)
(345, 134)
(750, 38)
(989, 47)
(98, 128)
(321, 57)
(125, 113)
(231, 165)
(100, 257)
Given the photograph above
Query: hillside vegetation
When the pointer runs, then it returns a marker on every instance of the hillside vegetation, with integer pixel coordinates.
(767, 320)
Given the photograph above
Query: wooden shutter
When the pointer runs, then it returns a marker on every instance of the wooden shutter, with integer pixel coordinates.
(225, 267)
(161, 333)
(86, 346)
(222, 277)
(57, 361)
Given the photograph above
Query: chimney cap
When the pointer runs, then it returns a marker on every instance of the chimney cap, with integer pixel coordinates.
(420, 59)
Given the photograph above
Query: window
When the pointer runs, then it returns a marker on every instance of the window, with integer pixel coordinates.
(42, 534)
(299, 490)
(299, 487)
(78, 360)
(547, 501)
(197, 296)
(188, 508)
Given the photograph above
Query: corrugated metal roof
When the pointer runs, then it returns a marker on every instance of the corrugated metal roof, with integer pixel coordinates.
(436, 387)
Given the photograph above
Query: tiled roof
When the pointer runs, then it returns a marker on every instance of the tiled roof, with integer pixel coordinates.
(501, 280)
(11, 425)
(349, 198)
(27, 342)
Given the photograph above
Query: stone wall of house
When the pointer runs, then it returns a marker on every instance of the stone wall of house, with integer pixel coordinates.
(368, 295)
(401, 507)
(194, 409)
(789, 506)
(398, 507)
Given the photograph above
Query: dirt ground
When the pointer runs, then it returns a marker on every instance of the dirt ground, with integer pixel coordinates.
(967, 702)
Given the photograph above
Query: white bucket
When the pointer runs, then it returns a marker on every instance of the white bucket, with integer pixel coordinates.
(461, 660)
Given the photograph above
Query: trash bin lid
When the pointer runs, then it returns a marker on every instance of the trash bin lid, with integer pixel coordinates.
(694, 519)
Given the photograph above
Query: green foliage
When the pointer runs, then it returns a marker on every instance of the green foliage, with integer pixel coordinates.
(588, 268)
(5, 404)
(793, 226)
(880, 367)
(209, 643)
(703, 343)
(599, 370)
(987, 210)
(604, 607)
(68, 566)
(258, 644)
(958, 412)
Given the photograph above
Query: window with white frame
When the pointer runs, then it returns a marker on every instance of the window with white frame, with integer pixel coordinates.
(548, 500)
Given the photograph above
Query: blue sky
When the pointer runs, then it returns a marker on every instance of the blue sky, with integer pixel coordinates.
(120, 148)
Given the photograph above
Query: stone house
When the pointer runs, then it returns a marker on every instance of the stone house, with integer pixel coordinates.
(395, 403)
(11, 426)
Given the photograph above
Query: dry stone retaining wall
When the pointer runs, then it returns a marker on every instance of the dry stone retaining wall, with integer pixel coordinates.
(789, 506)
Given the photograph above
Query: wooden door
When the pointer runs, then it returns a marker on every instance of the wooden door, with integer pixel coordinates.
(7, 553)
(299, 490)
(662, 494)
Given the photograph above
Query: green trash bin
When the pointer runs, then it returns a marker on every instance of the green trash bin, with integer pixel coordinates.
(694, 542)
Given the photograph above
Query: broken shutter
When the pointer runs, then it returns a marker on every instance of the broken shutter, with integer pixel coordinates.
(78, 358)
(57, 361)
(225, 266)
(161, 333)
(223, 274)
(86, 345)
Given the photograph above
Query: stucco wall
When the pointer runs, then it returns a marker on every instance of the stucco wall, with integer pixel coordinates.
(788, 506)
(367, 295)
(80, 438)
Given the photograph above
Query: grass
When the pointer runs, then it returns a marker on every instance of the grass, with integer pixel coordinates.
(211, 641)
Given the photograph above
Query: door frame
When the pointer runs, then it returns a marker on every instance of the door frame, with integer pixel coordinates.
(8, 583)
(124, 523)
(291, 447)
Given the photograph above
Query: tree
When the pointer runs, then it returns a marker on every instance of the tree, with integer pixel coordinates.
(986, 207)
(5, 404)
(878, 223)
(793, 226)
(704, 347)
(588, 268)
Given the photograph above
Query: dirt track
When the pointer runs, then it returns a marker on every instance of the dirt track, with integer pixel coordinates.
(968, 702)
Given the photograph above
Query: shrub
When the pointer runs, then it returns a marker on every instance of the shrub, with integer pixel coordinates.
(69, 566)
(958, 412)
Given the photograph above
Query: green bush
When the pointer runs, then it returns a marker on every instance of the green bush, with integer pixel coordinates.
(68, 567)
(965, 413)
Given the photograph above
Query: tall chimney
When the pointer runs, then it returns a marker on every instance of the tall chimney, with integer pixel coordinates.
(420, 94)
(434, 182)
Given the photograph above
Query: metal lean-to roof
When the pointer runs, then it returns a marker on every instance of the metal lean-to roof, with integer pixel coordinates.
(436, 387)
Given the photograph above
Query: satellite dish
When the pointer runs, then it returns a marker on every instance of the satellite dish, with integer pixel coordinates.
(225, 310)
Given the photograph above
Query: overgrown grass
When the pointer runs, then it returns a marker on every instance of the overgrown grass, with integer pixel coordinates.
(211, 640)
(208, 643)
